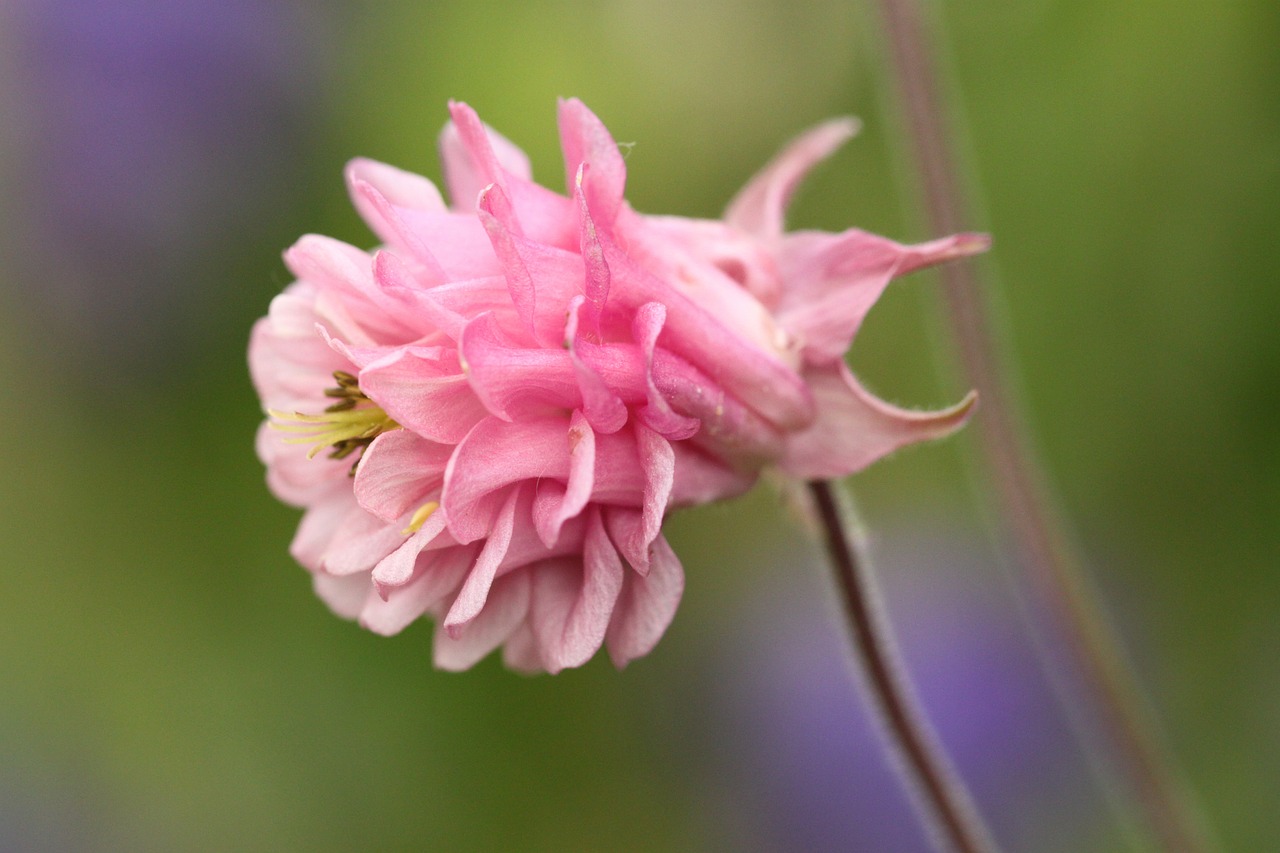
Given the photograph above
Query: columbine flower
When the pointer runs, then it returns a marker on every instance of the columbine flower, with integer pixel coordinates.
(487, 419)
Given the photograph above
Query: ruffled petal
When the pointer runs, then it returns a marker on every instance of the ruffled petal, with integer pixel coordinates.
(658, 414)
(601, 403)
(494, 455)
(516, 383)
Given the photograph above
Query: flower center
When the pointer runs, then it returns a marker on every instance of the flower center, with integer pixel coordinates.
(350, 424)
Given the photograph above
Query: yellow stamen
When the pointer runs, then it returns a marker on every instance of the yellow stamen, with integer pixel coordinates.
(346, 426)
(420, 516)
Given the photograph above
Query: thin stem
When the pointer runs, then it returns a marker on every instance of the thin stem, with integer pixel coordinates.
(939, 794)
(1054, 570)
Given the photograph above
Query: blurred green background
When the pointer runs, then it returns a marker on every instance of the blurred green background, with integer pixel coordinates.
(169, 682)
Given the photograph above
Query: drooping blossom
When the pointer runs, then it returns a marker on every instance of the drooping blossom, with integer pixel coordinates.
(488, 418)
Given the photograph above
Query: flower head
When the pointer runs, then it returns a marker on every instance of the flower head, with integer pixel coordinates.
(488, 418)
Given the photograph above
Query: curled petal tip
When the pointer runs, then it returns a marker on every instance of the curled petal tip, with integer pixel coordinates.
(971, 243)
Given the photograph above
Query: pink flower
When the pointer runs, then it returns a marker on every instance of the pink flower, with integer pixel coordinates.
(488, 419)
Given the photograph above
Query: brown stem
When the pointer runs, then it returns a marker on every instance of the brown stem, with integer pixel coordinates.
(1054, 571)
(939, 794)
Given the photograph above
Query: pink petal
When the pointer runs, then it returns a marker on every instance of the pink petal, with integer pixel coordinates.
(435, 579)
(646, 606)
(423, 391)
(516, 383)
(387, 222)
(348, 300)
(597, 269)
(398, 187)
(760, 207)
(658, 414)
(503, 613)
(397, 281)
(496, 454)
(734, 361)
(397, 568)
(360, 541)
(318, 524)
(657, 458)
(397, 471)
(520, 652)
(554, 505)
(832, 280)
(601, 404)
(703, 477)
(475, 591)
(854, 428)
(726, 423)
(475, 155)
(569, 635)
(585, 139)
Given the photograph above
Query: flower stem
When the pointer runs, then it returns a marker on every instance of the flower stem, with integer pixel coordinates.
(1054, 571)
(939, 794)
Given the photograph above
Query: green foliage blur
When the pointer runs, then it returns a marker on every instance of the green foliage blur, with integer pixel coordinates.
(169, 682)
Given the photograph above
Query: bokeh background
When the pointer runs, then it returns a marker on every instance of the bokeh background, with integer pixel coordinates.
(169, 682)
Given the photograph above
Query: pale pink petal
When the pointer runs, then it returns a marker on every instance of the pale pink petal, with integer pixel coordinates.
(726, 422)
(760, 207)
(646, 606)
(503, 613)
(658, 460)
(541, 279)
(359, 543)
(318, 525)
(398, 187)
(703, 477)
(854, 428)
(291, 476)
(397, 281)
(345, 595)
(693, 332)
(387, 222)
(520, 651)
(597, 281)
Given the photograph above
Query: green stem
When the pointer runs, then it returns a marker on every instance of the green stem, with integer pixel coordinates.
(940, 796)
